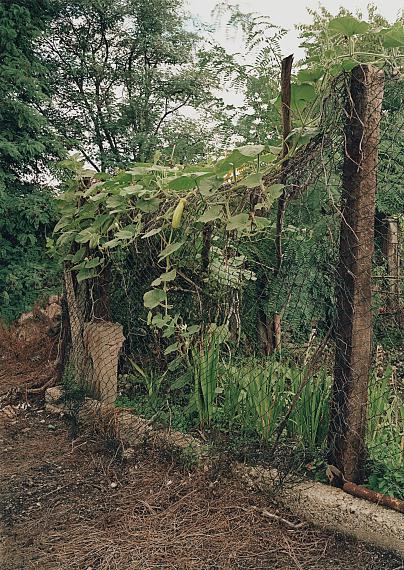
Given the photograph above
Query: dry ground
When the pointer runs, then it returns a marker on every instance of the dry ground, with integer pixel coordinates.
(75, 505)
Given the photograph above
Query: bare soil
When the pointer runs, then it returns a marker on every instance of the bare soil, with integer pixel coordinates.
(75, 504)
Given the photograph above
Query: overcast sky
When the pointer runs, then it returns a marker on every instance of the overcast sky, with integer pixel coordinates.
(288, 13)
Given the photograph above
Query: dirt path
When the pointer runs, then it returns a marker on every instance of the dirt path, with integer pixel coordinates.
(73, 505)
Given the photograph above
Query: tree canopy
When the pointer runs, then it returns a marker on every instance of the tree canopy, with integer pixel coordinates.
(27, 149)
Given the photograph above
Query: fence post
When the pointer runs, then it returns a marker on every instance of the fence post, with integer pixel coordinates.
(353, 293)
(393, 268)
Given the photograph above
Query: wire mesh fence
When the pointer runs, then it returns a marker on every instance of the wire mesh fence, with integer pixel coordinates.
(270, 327)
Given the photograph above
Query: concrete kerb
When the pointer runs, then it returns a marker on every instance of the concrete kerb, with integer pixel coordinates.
(323, 506)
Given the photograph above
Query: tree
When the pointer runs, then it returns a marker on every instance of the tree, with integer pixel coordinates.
(27, 147)
(120, 71)
(257, 75)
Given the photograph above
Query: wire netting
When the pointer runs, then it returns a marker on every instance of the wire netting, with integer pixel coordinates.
(260, 328)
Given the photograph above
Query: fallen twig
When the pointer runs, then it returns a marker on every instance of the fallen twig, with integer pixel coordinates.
(278, 518)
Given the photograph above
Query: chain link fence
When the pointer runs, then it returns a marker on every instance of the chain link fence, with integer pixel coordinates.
(273, 334)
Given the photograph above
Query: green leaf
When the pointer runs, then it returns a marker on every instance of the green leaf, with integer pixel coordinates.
(250, 150)
(165, 278)
(348, 64)
(98, 197)
(394, 37)
(208, 185)
(182, 183)
(172, 348)
(111, 243)
(234, 160)
(152, 232)
(302, 135)
(252, 181)
(153, 298)
(310, 75)
(212, 213)
(62, 223)
(115, 202)
(79, 255)
(275, 190)
(171, 248)
(269, 157)
(124, 234)
(85, 235)
(302, 95)
(84, 274)
(94, 262)
(238, 222)
(175, 364)
(130, 190)
(127, 232)
(348, 26)
(148, 206)
(182, 381)
(66, 237)
(262, 223)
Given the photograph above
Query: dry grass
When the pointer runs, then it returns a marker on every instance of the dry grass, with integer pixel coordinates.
(69, 505)
(61, 512)
(27, 355)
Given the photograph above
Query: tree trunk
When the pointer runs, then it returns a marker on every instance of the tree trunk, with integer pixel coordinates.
(353, 293)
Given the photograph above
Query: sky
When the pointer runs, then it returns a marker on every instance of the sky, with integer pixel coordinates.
(288, 13)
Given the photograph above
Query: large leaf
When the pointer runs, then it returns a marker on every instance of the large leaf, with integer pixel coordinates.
(251, 150)
(238, 222)
(66, 237)
(84, 274)
(86, 235)
(207, 185)
(212, 213)
(112, 243)
(262, 223)
(130, 190)
(182, 183)
(124, 234)
(172, 348)
(348, 26)
(165, 277)
(394, 37)
(275, 190)
(115, 202)
(153, 298)
(252, 181)
(171, 248)
(235, 159)
(79, 255)
(302, 95)
(310, 75)
(62, 223)
(94, 262)
(152, 232)
(148, 206)
(127, 232)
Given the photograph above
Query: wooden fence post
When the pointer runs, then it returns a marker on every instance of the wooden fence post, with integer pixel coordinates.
(393, 269)
(353, 293)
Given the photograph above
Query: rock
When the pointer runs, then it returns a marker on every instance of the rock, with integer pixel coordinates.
(54, 395)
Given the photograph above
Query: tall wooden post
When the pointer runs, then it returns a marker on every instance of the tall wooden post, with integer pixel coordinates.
(393, 268)
(354, 321)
